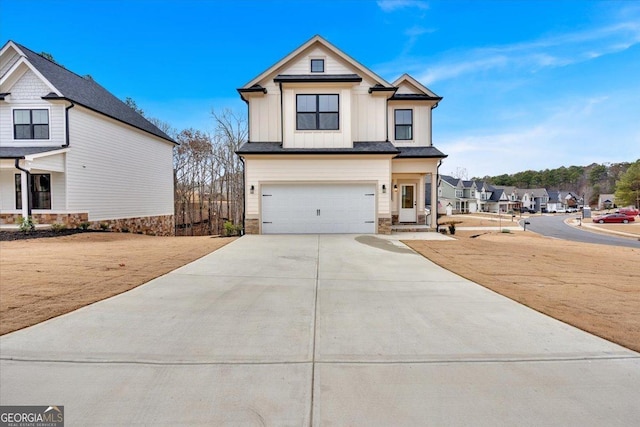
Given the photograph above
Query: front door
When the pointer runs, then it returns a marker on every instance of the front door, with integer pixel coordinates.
(408, 203)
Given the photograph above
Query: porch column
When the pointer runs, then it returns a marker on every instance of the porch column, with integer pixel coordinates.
(434, 201)
(25, 190)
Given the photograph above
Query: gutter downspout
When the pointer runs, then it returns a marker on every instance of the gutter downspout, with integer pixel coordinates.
(244, 195)
(66, 124)
(281, 116)
(27, 189)
(437, 185)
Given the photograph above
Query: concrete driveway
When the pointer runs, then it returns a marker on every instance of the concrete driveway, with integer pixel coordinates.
(318, 330)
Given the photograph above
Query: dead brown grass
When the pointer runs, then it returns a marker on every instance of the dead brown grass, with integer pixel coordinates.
(593, 287)
(44, 278)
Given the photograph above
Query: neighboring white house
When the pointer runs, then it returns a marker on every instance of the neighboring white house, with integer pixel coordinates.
(335, 148)
(83, 154)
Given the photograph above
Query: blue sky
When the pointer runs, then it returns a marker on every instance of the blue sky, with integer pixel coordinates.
(526, 85)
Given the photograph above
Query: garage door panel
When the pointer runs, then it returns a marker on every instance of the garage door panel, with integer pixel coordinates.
(318, 208)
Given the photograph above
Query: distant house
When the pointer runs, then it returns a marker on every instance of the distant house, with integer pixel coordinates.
(71, 152)
(606, 201)
(556, 201)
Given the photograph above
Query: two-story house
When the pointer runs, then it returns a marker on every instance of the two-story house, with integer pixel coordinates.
(71, 152)
(335, 148)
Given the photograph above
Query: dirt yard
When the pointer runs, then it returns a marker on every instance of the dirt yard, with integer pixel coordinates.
(593, 287)
(44, 278)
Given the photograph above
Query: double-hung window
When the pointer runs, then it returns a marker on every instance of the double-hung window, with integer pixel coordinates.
(404, 124)
(317, 112)
(31, 124)
(40, 191)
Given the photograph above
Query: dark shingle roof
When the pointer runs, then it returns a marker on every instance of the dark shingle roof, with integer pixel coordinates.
(421, 152)
(451, 180)
(414, 97)
(303, 78)
(21, 152)
(358, 148)
(90, 94)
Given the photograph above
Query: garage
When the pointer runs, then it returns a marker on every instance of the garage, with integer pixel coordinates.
(318, 208)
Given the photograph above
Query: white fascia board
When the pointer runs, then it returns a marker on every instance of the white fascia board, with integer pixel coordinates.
(332, 48)
(32, 157)
(25, 61)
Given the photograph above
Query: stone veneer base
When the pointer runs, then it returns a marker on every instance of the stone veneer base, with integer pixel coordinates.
(384, 225)
(251, 226)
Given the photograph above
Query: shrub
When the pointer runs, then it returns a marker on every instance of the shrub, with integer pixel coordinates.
(27, 225)
(58, 227)
(452, 226)
(84, 225)
(104, 226)
(504, 230)
(230, 229)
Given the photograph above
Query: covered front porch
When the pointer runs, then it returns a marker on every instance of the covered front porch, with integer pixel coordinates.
(33, 184)
(414, 192)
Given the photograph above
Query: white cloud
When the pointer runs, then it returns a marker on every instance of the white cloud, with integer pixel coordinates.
(548, 52)
(393, 5)
(574, 132)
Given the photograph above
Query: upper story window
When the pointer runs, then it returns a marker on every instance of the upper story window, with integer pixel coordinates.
(459, 193)
(31, 124)
(317, 112)
(404, 124)
(40, 184)
(317, 65)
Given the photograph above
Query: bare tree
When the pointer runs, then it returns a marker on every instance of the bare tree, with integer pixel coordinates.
(209, 177)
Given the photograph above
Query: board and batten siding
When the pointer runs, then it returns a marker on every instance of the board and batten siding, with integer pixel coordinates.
(320, 169)
(117, 171)
(294, 138)
(264, 115)
(421, 124)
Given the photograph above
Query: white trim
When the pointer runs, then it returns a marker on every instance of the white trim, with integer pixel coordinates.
(317, 39)
(31, 157)
(28, 106)
(25, 61)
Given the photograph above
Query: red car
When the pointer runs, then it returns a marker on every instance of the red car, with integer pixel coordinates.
(629, 212)
(614, 217)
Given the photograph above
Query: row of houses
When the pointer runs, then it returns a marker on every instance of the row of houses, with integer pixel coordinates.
(468, 196)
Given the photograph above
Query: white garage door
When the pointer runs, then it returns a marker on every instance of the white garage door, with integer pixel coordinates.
(318, 208)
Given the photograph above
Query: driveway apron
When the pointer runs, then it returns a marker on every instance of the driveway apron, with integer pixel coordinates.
(325, 330)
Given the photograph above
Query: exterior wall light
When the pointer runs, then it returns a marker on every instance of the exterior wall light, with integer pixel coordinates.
(384, 188)
(252, 189)
(395, 188)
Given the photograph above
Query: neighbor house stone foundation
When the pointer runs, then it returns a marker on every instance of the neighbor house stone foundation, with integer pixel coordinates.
(161, 225)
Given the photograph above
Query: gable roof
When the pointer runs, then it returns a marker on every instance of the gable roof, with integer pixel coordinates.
(317, 39)
(88, 93)
(425, 93)
(450, 180)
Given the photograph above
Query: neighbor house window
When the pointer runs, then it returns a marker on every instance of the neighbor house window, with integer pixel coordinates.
(31, 124)
(317, 112)
(317, 65)
(40, 191)
(404, 124)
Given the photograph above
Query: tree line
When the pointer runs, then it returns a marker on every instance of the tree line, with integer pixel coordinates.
(592, 180)
(208, 175)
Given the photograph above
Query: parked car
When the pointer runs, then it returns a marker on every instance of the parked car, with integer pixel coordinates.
(630, 212)
(561, 210)
(572, 210)
(614, 217)
(527, 210)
